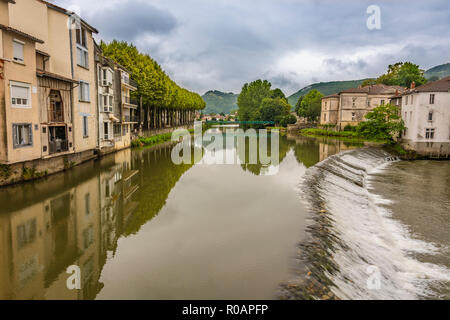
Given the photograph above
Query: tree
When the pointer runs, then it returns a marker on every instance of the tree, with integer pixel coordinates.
(310, 105)
(402, 74)
(250, 98)
(368, 82)
(288, 119)
(298, 104)
(273, 109)
(383, 123)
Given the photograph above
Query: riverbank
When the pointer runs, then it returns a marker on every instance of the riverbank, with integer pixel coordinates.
(21, 172)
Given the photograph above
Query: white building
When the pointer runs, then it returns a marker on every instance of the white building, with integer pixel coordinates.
(426, 113)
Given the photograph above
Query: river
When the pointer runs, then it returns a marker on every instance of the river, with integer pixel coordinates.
(140, 227)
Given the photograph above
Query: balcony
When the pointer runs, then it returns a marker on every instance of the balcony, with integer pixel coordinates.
(55, 116)
(130, 102)
(127, 81)
(130, 119)
(58, 146)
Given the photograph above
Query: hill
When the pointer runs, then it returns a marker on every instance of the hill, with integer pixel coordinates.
(438, 72)
(325, 88)
(218, 102)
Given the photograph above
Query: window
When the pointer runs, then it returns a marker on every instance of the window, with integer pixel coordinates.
(353, 116)
(84, 92)
(18, 47)
(412, 99)
(85, 127)
(105, 131)
(431, 98)
(430, 116)
(429, 133)
(382, 102)
(406, 116)
(324, 117)
(87, 203)
(81, 36)
(82, 57)
(125, 129)
(406, 100)
(117, 130)
(20, 95)
(22, 135)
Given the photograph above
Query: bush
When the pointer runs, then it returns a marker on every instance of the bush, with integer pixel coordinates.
(349, 127)
(289, 119)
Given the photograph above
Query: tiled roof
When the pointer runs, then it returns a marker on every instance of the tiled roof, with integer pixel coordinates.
(23, 34)
(375, 89)
(442, 85)
(335, 95)
(42, 73)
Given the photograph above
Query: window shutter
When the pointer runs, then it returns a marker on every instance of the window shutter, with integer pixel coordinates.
(30, 134)
(15, 142)
(18, 50)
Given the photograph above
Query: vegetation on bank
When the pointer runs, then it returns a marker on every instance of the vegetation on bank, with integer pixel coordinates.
(310, 106)
(153, 140)
(400, 74)
(382, 124)
(218, 102)
(258, 102)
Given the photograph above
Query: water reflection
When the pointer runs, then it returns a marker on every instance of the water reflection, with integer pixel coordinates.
(78, 217)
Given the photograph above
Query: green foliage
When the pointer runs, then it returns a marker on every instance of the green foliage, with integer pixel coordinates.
(257, 102)
(219, 102)
(5, 170)
(288, 119)
(325, 88)
(383, 123)
(250, 99)
(298, 104)
(349, 127)
(154, 86)
(329, 133)
(402, 74)
(310, 105)
(368, 82)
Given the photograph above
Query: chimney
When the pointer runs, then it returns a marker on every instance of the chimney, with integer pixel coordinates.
(413, 85)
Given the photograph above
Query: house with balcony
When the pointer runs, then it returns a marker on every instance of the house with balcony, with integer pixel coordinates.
(426, 114)
(129, 108)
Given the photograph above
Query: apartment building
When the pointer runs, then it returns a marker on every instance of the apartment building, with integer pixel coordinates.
(116, 109)
(426, 114)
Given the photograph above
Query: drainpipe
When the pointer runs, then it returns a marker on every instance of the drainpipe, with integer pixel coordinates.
(72, 98)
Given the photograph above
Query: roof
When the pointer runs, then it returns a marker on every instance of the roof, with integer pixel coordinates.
(61, 9)
(375, 89)
(442, 85)
(42, 73)
(42, 53)
(23, 34)
(10, 1)
(335, 95)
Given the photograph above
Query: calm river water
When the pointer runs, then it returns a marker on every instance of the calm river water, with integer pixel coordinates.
(140, 227)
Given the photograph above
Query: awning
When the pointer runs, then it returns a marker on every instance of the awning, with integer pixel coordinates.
(113, 118)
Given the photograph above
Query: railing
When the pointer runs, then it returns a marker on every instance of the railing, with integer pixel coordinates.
(130, 119)
(129, 81)
(129, 100)
(58, 146)
(55, 116)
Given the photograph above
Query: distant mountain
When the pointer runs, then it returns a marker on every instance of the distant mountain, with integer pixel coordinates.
(326, 88)
(438, 72)
(218, 102)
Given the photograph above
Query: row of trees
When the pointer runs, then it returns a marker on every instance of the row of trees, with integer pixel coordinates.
(155, 88)
(258, 102)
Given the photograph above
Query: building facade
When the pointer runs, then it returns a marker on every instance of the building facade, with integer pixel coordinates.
(426, 114)
(350, 106)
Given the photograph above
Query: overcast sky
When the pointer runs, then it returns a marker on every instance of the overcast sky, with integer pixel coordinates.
(221, 44)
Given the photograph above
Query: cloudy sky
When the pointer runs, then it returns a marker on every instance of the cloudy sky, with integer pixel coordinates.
(221, 44)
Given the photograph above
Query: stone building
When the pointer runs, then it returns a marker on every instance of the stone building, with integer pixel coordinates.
(350, 106)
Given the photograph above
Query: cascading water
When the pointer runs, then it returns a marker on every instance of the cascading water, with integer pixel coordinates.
(356, 250)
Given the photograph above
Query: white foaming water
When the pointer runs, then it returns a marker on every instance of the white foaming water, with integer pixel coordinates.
(372, 239)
